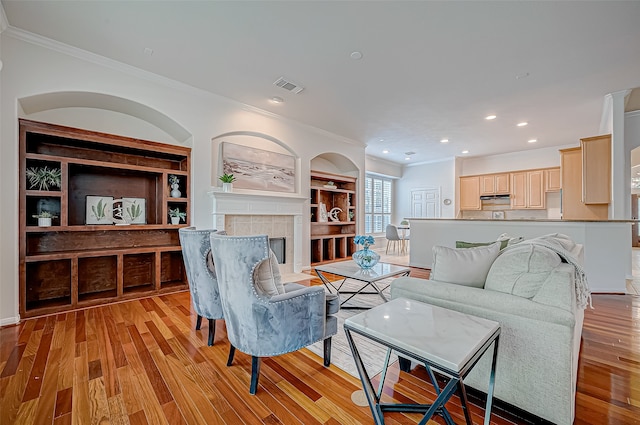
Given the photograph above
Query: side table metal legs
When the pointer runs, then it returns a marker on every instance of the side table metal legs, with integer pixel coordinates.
(438, 406)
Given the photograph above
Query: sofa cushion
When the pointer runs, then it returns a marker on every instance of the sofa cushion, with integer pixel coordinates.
(522, 270)
(465, 266)
(267, 277)
(463, 244)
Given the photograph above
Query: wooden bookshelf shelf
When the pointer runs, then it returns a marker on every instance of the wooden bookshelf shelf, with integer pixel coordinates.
(73, 264)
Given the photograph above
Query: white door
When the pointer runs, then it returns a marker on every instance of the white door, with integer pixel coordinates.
(425, 203)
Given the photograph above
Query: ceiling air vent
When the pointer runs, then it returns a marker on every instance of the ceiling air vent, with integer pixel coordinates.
(288, 85)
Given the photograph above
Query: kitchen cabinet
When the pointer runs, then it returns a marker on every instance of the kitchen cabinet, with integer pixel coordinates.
(494, 184)
(527, 190)
(552, 179)
(596, 169)
(571, 173)
(470, 193)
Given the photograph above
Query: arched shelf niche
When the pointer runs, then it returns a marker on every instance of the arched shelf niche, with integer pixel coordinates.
(103, 112)
(259, 141)
(333, 208)
(334, 163)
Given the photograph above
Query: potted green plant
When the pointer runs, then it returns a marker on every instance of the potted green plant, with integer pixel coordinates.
(42, 178)
(44, 218)
(330, 185)
(176, 215)
(227, 182)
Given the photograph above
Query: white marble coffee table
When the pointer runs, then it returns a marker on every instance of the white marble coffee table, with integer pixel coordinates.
(369, 277)
(442, 339)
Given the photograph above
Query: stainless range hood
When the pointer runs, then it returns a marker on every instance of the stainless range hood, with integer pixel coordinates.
(486, 197)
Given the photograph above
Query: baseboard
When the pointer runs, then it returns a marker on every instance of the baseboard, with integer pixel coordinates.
(9, 321)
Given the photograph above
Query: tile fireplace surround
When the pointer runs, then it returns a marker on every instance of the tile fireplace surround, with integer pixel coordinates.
(276, 216)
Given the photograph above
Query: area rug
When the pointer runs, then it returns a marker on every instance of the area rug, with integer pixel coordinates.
(372, 354)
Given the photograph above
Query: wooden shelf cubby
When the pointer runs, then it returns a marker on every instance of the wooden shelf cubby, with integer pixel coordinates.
(332, 240)
(73, 264)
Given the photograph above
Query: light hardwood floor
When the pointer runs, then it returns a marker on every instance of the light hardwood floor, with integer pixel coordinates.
(142, 362)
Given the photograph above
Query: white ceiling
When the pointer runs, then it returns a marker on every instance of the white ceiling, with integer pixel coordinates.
(430, 70)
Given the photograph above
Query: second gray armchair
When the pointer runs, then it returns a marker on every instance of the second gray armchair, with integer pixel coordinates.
(203, 284)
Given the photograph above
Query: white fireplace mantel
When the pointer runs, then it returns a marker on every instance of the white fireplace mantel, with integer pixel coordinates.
(254, 204)
(242, 203)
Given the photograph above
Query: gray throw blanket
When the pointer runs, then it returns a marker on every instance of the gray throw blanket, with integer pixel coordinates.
(563, 245)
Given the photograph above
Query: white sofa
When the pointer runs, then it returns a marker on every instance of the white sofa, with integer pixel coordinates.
(531, 292)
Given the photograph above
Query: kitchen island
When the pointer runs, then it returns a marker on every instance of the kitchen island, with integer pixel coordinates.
(607, 244)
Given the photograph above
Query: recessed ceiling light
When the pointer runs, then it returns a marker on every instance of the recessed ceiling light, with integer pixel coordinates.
(444, 141)
(532, 140)
(407, 158)
(490, 117)
(356, 55)
(465, 151)
(385, 151)
(522, 124)
(276, 99)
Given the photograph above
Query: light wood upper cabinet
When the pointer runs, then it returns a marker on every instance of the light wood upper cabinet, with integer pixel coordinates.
(572, 206)
(527, 190)
(494, 184)
(552, 179)
(470, 193)
(596, 169)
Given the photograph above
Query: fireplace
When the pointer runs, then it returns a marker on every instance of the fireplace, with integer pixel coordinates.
(276, 216)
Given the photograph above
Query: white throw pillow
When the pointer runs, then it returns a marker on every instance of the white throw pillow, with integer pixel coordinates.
(463, 266)
(267, 277)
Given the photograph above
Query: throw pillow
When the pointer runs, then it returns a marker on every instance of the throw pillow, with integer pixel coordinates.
(522, 270)
(267, 277)
(462, 244)
(466, 266)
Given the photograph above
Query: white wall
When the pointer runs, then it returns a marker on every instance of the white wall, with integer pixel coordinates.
(434, 175)
(513, 161)
(33, 69)
(385, 168)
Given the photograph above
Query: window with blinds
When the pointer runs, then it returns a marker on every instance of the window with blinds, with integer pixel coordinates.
(377, 204)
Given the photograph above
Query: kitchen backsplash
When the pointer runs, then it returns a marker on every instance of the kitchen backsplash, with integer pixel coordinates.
(488, 208)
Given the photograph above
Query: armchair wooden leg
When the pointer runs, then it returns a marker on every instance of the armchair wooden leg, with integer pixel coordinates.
(212, 331)
(232, 351)
(255, 374)
(327, 352)
(388, 242)
(198, 322)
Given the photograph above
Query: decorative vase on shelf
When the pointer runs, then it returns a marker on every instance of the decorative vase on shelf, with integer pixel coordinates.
(175, 193)
(227, 187)
(366, 258)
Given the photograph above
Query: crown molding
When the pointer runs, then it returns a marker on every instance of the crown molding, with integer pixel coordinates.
(48, 43)
(435, 161)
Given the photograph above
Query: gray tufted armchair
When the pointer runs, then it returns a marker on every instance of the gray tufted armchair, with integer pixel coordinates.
(263, 325)
(203, 284)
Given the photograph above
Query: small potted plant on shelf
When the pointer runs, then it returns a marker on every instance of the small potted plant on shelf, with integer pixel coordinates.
(227, 182)
(351, 214)
(41, 178)
(176, 215)
(44, 218)
(174, 182)
(330, 185)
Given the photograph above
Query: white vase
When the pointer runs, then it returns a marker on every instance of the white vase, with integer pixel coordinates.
(175, 193)
(227, 187)
(44, 222)
(175, 220)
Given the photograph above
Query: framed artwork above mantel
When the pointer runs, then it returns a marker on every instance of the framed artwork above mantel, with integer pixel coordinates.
(259, 169)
